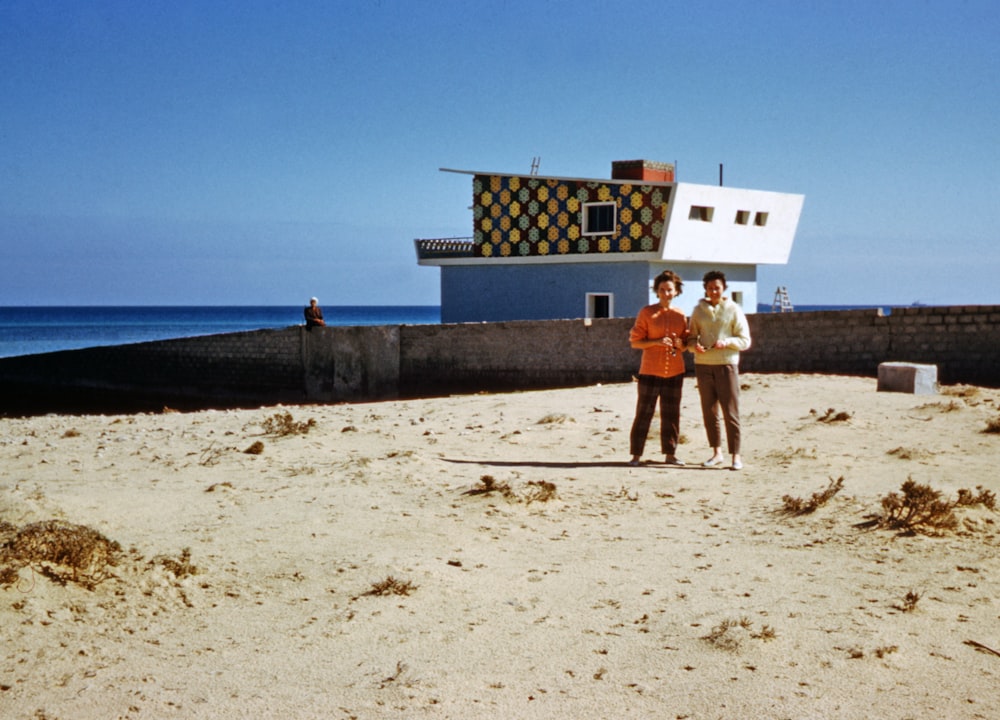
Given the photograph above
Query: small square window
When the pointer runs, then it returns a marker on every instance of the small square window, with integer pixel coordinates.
(702, 213)
(760, 219)
(742, 217)
(599, 218)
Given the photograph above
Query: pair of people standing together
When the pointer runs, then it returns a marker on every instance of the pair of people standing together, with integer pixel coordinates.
(716, 333)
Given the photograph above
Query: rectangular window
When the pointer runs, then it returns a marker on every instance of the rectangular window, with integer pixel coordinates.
(599, 218)
(760, 219)
(701, 213)
(600, 305)
(742, 217)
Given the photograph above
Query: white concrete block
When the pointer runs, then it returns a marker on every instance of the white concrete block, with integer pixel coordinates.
(907, 377)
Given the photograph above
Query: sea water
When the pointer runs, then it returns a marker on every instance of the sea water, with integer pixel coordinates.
(32, 330)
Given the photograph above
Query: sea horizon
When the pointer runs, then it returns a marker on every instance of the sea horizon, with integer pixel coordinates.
(37, 329)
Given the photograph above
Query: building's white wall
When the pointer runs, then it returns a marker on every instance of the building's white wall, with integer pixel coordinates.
(739, 279)
(723, 240)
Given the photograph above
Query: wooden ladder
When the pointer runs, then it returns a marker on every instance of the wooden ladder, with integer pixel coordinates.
(781, 302)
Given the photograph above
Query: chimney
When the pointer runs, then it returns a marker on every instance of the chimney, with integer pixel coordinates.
(643, 170)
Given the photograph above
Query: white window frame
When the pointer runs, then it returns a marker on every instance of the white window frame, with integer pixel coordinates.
(614, 218)
(591, 302)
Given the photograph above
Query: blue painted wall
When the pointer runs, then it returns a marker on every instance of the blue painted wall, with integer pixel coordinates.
(490, 293)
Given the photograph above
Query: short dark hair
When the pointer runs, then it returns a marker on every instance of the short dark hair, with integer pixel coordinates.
(668, 276)
(714, 275)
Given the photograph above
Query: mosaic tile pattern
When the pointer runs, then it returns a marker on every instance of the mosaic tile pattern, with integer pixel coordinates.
(527, 215)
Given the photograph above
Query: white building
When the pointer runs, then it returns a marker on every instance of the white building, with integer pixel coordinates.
(558, 247)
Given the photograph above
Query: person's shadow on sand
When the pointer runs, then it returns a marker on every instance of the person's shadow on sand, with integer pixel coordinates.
(577, 464)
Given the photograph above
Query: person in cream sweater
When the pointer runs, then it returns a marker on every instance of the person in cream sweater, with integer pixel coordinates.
(718, 333)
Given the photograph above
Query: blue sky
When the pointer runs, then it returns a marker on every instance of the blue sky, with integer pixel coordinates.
(249, 153)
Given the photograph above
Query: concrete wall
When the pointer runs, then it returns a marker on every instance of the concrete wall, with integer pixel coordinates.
(963, 341)
(335, 364)
(514, 355)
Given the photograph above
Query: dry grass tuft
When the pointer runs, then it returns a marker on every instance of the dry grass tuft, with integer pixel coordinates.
(984, 497)
(540, 491)
(211, 455)
(798, 506)
(61, 551)
(283, 424)
(903, 453)
(909, 603)
(920, 508)
(555, 419)
(992, 426)
(180, 567)
(489, 485)
(832, 416)
(729, 634)
(962, 391)
(391, 586)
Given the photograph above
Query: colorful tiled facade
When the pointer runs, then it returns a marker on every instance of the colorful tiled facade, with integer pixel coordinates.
(524, 215)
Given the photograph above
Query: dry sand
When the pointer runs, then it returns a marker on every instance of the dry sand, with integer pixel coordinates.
(248, 584)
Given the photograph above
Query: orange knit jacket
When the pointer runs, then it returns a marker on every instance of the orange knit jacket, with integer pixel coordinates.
(653, 323)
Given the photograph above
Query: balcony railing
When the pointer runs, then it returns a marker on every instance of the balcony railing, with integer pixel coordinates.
(444, 248)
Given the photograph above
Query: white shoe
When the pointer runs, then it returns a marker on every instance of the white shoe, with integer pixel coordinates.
(712, 462)
(737, 465)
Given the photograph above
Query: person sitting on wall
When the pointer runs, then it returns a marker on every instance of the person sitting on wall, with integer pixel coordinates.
(314, 315)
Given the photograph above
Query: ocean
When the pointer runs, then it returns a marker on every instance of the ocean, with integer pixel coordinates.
(32, 330)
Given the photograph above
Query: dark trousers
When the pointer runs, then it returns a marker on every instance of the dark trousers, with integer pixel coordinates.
(668, 392)
(719, 387)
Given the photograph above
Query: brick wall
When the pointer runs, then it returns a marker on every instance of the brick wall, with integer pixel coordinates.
(334, 364)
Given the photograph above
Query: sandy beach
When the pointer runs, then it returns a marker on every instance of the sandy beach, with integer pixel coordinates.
(494, 556)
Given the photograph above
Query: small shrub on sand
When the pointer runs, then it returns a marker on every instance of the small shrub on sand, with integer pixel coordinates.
(391, 586)
(555, 419)
(540, 491)
(282, 424)
(992, 426)
(909, 603)
(984, 497)
(489, 485)
(832, 416)
(61, 551)
(729, 634)
(180, 567)
(920, 508)
(798, 506)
